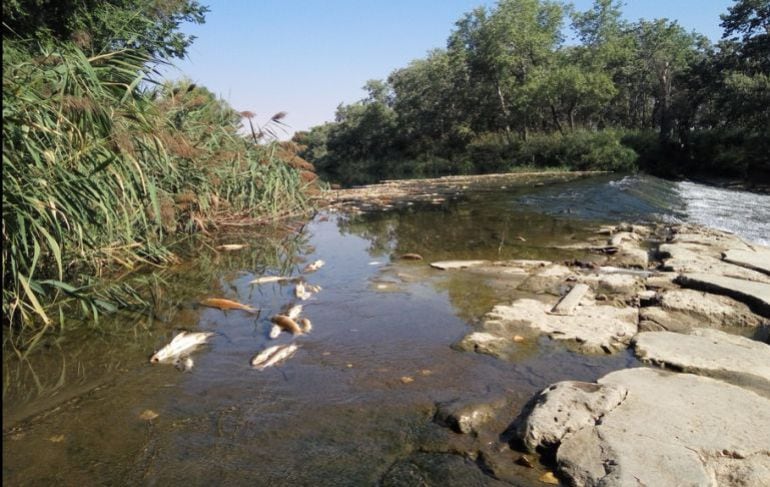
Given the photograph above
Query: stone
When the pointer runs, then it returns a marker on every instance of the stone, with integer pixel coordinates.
(593, 328)
(468, 416)
(758, 259)
(732, 358)
(664, 280)
(612, 283)
(549, 279)
(486, 343)
(457, 264)
(561, 409)
(672, 429)
(570, 301)
(677, 258)
(630, 255)
(683, 309)
(755, 294)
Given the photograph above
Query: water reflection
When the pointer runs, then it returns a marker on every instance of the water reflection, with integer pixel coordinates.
(338, 413)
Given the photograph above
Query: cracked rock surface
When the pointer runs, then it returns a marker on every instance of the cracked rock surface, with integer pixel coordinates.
(672, 429)
(732, 358)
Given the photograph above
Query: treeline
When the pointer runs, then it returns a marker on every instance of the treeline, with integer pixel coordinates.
(103, 165)
(509, 91)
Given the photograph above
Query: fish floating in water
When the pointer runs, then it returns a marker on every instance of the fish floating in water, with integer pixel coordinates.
(226, 304)
(314, 266)
(231, 247)
(294, 312)
(287, 324)
(273, 355)
(275, 331)
(313, 288)
(183, 343)
(184, 364)
(411, 256)
(307, 325)
(269, 279)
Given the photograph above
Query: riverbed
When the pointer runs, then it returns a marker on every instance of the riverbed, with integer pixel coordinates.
(358, 397)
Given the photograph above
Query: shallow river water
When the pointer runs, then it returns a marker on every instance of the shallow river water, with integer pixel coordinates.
(359, 394)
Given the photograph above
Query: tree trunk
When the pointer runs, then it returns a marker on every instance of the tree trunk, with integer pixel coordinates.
(504, 108)
(556, 119)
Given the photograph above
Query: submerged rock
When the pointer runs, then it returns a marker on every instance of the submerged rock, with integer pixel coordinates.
(593, 328)
(486, 343)
(713, 353)
(549, 279)
(468, 416)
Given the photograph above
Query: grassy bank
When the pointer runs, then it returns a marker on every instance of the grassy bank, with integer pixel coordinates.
(103, 172)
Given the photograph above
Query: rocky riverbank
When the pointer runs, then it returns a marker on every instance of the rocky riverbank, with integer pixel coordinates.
(691, 302)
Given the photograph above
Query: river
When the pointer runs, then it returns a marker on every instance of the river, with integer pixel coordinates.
(358, 396)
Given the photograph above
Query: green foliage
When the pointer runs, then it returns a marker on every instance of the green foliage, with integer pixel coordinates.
(580, 150)
(98, 26)
(506, 91)
(98, 174)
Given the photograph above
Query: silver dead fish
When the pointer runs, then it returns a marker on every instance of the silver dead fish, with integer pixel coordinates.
(183, 343)
(275, 331)
(301, 292)
(273, 355)
(314, 266)
(269, 279)
(294, 312)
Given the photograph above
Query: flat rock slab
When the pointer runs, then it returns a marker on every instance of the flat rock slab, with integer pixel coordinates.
(684, 309)
(615, 283)
(672, 429)
(457, 264)
(679, 258)
(549, 279)
(732, 358)
(758, 259)
(594, 329)
(755, 294)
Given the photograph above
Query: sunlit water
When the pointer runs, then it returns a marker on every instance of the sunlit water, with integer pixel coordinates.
(338, 413)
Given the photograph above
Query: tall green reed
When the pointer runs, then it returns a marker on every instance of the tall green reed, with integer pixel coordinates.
(101, 172)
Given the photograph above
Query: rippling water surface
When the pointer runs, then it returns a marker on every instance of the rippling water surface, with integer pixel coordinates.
(339, 412)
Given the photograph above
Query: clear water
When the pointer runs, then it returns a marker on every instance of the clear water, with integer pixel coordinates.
(338, 413)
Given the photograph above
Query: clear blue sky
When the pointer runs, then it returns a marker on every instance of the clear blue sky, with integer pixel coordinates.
(306, 56)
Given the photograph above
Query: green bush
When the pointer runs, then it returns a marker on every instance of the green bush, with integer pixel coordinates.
(581, 150)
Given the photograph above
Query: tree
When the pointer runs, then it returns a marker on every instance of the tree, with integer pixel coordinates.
(97, 26)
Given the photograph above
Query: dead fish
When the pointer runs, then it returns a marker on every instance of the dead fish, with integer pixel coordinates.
(182, 343)
(262, 356)
(312, 289)
(301, 292)
(231, 247)
(273, 355)
(307, 325)
(275, 331)
(184, 364)
(294, 312)
(411, 256)
(227, 304)
(287, 324)
(520, 238)
(314, 266)
(268, 279)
